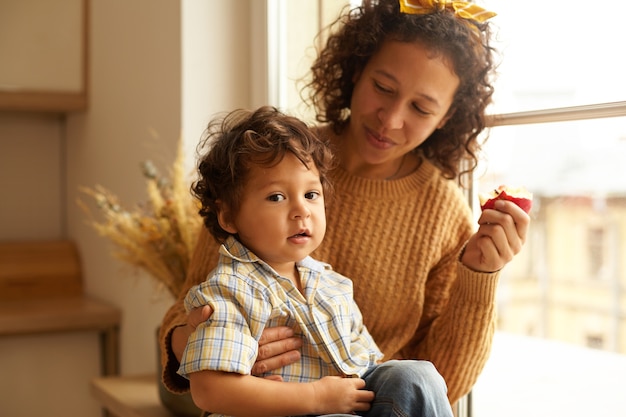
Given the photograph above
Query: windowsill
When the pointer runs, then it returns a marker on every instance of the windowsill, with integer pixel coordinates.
(527, 376)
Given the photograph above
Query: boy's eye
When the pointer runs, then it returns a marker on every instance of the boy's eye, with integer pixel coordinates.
(276, 197)
(312, 195)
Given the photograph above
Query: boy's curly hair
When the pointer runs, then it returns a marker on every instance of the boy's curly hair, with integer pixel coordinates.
(360, 34)
(242, 138)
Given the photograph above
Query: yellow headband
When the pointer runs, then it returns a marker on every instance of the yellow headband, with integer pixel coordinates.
(461, 9)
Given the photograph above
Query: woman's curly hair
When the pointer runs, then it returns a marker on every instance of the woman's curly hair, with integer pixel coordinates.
(361, 32)
(235, 142)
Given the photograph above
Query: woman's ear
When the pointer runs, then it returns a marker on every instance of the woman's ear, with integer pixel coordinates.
(224, 218)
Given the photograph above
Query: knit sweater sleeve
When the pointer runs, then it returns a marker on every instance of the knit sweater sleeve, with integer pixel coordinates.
(458, 321)
(204, 259)
(458, 341)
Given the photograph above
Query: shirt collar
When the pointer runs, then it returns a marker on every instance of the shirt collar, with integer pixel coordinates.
(234, 249)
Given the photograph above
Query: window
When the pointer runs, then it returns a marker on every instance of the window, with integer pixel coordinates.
(595, 341)
(560, 130)
(556, 55)
(596, 250)
(292, 28)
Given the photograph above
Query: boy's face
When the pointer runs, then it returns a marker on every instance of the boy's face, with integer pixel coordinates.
(281, 218)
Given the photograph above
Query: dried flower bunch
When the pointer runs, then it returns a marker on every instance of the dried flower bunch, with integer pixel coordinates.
(157, 237)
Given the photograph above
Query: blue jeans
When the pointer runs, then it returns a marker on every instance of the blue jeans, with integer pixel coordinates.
(406, 388)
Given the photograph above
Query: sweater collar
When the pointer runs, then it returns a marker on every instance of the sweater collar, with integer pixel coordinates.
(346, 182)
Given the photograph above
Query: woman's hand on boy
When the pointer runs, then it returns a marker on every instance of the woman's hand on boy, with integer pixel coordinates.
(277, 348)
(180, 334)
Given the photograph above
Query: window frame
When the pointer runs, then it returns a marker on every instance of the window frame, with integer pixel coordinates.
(559, 114)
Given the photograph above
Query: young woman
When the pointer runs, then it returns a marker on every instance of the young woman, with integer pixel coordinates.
(400, 91)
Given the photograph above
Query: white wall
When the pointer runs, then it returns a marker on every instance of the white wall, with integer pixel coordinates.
(138, 107)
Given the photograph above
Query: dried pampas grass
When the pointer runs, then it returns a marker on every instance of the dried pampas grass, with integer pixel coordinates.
(159, 236)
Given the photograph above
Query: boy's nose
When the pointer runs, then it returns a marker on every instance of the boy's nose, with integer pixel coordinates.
(300, 210)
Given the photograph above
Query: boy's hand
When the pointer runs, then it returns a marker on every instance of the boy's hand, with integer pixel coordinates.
(334, 394)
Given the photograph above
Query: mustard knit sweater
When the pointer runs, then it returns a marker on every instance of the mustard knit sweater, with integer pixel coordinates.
(399, 241)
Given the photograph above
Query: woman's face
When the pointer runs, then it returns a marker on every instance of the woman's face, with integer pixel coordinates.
(402, 95)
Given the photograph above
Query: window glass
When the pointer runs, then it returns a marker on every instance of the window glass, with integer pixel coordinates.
(556, 54)
(561, 302)
(560, 345)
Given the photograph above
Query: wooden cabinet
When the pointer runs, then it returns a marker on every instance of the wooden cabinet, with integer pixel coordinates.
(41, 292)
(43, 55)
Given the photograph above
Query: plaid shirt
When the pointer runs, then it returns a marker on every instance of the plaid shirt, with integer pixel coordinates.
(247, 295)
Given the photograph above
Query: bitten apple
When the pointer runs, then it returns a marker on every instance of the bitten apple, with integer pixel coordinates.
(518, 195)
